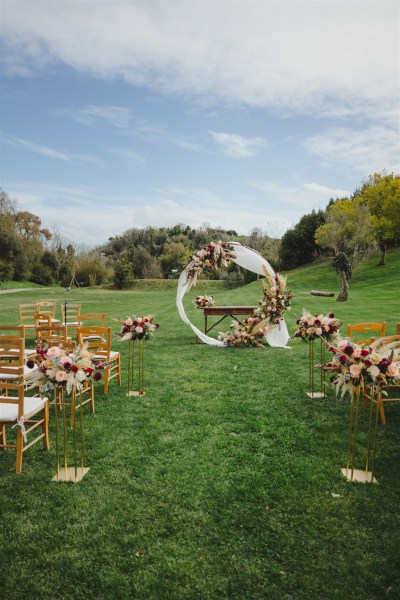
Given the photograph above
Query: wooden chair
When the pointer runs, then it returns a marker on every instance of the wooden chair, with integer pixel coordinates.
(72, 312)
(99, 344)
(12, 357)
(18, 409)
(54, 335)
(385, 346)
(89, 319)
(27, 316)
(47, 308)
(354, 331)
(17, 331)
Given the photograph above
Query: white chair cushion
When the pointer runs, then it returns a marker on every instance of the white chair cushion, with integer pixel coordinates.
(27, 371)
(102, 356)
(9, 412)
(70, 324)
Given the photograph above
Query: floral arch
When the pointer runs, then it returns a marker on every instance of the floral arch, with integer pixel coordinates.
(219, 255)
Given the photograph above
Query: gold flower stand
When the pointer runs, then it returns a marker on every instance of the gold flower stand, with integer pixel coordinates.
(312, 393)
(367, 474)
(136, 368)
(64, 431)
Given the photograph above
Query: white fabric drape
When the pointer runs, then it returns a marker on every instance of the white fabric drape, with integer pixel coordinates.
(251, 260)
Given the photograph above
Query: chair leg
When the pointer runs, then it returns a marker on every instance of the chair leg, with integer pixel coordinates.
(381, 411)
(91, 403)
(3, 437)
(119, 370)
(45, 427)
(106, 380)
(20, 449)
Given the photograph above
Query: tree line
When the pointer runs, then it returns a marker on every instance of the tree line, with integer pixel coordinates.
(342, 233)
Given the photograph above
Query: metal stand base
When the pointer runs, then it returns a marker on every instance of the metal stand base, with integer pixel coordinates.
(71, 474)
(359, 475)
(316, 395)
(131, 393)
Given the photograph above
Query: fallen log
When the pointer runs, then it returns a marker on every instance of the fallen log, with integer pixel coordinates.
(317, 293)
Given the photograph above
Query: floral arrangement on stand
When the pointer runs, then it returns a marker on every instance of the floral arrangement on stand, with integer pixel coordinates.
(212, 256)
(311, 327)
(244, 335)
(353, 367)
(137, 328)
(204, 301)
(58, 367)
(276, 299)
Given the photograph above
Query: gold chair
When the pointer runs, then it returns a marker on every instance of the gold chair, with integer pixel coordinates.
(11, 355)
(27, 316)
(17, 331)
(99, 344)
(354, 331)
(70, 315)
(47, 308)
(54, 335)
(18, 409)
(386, 346)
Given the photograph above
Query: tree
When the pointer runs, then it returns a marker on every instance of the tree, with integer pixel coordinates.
(298, 245)
(382, 195)
(346, 233)
(123, 272)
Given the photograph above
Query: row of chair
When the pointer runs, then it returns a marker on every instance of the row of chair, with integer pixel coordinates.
(18, 408)
(34, 314)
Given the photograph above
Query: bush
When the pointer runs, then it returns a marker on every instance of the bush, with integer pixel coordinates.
(6, 271)
(41, 274)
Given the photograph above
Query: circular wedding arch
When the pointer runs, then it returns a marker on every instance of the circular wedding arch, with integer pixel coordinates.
(249, 259)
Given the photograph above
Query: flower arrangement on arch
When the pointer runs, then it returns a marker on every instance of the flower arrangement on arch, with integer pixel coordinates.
(244, 335)
(68, 369)
(311, 327)
(352, 367)
(204, 301)
(276, 299)
(213, 256)
(137, 328)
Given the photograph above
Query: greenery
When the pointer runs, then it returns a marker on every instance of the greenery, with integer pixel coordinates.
(223, 481)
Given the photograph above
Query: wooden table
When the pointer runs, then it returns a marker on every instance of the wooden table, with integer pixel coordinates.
(223, 312)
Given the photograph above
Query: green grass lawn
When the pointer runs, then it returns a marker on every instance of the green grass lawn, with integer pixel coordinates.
(223, 481)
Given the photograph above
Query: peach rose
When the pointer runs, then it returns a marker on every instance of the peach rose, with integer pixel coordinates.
(355, 371)
(318, 331)
(54, 352)
(61, 376)
(393, 370)
(65, 360)
(139, 330)
(357, 353)
(375, 358)
(342, 345)
(128, 322)
(373, 371)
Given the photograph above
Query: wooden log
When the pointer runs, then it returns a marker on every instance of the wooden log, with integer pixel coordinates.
(317, 293)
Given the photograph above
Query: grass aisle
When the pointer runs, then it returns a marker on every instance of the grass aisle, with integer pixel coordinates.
(223, 481)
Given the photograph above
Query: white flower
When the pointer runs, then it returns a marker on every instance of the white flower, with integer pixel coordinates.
(373, 371)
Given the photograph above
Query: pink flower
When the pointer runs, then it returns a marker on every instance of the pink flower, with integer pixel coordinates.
(61, 376)
(355, 371)
(128, 322)
(393, 370)
(139, 330)
(357, 353)
(65, 361)
(54, 352)
(342, 345)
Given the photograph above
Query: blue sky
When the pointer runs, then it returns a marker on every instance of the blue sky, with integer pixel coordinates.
(239, 114)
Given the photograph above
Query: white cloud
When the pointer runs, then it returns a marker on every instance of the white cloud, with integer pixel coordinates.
(367, 150)
(49, 152)
(320, 58)
(304, 196)
(90, 115)
(237, 145)
(130, 157)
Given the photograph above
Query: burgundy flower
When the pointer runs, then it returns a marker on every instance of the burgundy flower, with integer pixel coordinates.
(368, 363)
(364, 352)
(30, 364)
(342, 358)
(97, 376)
(89, 371)
(74, 369)
(349, 350)
(331, 315)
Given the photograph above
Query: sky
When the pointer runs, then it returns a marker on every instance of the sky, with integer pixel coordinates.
(234, 114)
